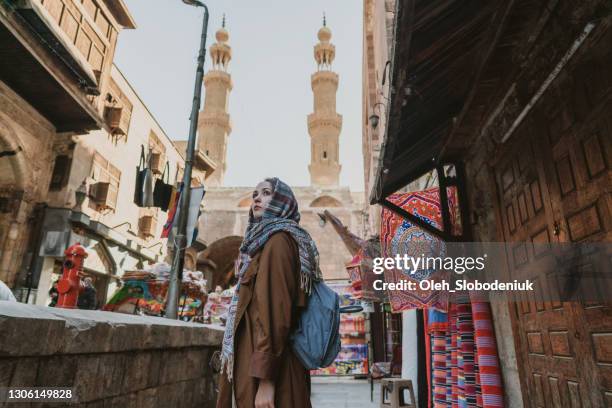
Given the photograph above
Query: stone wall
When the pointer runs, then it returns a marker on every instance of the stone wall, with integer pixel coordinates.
(109, 359)
(226, 213)
(26, 164)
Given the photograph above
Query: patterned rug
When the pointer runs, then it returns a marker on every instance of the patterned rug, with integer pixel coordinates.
(400, 237)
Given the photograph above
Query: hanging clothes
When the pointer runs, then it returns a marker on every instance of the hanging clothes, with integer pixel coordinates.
(147, 189)
(172, 207)
(195, 198)
(140, 177)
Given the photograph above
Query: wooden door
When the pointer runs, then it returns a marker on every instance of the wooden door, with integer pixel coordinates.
(554, 184)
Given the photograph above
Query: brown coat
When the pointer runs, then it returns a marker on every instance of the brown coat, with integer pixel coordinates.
(268, 303)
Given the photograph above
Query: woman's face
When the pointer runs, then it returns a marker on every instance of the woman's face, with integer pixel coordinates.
(261, 197)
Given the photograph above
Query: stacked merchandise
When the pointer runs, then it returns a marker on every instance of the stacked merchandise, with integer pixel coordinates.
(353, 356)
(217, 305)
(144, 292)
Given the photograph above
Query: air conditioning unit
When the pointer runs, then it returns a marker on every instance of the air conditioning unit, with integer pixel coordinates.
(112, 117)
(104, 194)
(146, 226)
(157, 162)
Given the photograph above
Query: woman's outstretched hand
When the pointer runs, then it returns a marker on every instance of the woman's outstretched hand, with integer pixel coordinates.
(265, 394)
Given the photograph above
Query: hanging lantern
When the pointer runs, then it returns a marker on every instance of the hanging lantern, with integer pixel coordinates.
(360, 271)
(353, 268)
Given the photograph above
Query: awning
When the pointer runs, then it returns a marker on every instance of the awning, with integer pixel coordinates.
(439, 47)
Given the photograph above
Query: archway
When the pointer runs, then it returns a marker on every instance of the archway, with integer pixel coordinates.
(13, 166)
(245, 202)
(14, 173)
(325, 201)
(219, 258)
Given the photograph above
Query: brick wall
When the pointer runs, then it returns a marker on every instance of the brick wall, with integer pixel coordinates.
(109, 359)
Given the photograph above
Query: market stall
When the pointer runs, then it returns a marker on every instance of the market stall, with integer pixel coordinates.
(144, 292)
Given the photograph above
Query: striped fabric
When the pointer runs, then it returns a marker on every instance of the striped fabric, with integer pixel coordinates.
(454, 352)
(465, 370)
(466, 348)
(488, 363)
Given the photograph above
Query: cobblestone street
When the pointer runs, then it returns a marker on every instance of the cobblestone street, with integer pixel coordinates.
(339, 392)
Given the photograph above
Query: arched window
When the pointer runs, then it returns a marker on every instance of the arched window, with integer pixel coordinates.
(324, 154)
(245, 202)
(325, 201)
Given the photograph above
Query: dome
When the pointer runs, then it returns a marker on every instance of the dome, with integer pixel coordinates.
(324, 34)
(222, 35)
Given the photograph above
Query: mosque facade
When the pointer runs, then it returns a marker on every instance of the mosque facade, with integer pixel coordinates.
(225, 210)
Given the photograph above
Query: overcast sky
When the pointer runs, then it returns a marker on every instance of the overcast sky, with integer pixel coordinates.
(272, 43)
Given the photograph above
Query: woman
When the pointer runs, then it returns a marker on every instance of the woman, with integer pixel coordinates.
(278, 260)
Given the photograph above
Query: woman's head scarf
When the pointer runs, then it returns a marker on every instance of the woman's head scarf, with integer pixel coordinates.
(280, 214)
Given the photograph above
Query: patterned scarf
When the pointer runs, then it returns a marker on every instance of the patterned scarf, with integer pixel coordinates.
(281, 214)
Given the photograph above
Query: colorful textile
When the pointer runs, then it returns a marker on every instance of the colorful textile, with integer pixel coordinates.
(281, 214)
(428, 357)
(172, 207)
(196, 195)
(487, 358)
(454, 356)
(440, 384)
(399, 237)
(466, 370)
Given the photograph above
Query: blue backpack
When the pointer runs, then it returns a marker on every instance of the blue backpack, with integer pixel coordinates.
(316, 339)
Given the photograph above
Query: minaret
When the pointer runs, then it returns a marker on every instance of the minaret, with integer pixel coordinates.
(214, 124)
(324, 124)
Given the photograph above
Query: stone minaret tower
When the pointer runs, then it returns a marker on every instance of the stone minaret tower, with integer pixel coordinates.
(214, 122)
(324, 124)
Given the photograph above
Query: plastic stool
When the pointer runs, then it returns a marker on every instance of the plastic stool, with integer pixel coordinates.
(392, 393)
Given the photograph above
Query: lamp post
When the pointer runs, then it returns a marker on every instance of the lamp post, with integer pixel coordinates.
(181, 236)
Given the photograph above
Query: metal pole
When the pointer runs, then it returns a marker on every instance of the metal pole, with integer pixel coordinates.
(176, 271)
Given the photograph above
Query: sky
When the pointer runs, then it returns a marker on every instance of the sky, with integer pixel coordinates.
(272, 59)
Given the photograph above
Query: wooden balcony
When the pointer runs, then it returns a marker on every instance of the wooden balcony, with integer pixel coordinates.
(58, 57)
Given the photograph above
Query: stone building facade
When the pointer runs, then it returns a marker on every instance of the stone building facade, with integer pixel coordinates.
(226, 213)
(120, 235)
(57, 56)
(226, 209)
(377, 39)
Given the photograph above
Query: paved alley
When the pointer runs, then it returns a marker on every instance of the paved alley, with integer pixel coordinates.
(340, 392)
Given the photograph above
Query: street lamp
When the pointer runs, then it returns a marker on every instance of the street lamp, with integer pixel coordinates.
(79, 195)
(181, 237)
(374, 118)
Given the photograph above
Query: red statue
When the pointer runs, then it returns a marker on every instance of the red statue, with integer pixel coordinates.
(70, 285)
